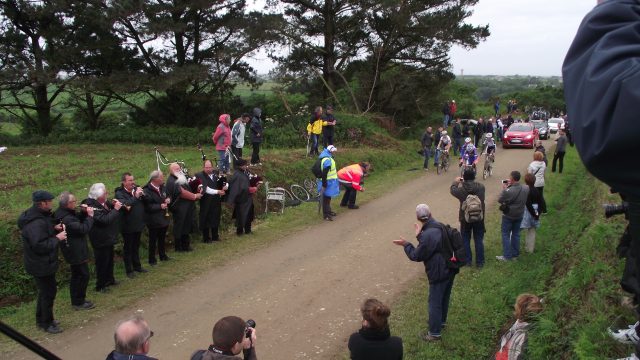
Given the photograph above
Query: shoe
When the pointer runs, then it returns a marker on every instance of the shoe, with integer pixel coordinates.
(625, 336)
(53, 329)
(430, 338)
(328, 218)
(443, 326)
(142, 270)
(333, 213)
(103, 290)
(501, 258)
(630, 357)
(86, 306)
(131, 275)
(354, 207)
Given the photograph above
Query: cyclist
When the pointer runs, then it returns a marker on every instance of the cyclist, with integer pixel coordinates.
(443, 145)
(469, 155)
(489, 144)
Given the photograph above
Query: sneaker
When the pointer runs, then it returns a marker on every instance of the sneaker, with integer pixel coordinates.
(53, 329)
(630, 357)
(625, 336)
(103, 290)
(431, 338)
(333, 213)
(501, 258)
(86, 306)
(328, 218)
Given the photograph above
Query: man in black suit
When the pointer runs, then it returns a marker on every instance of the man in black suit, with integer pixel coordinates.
(156, 215)
(210, 209)
(132, 223)
(182, 206)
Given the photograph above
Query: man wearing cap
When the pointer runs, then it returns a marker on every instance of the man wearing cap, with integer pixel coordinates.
(328, 126)
(328, 185)
(352, 178)
(239, 196)
(40, 240)
(429, 234)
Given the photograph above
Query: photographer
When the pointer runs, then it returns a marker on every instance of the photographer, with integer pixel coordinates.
(512, 204)
(601, 76)
(471, 217)
(231, 335)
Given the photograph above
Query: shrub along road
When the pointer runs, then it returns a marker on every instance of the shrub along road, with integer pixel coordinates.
(304, 291)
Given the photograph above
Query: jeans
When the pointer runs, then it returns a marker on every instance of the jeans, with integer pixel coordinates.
(314, 143)
(457, 146)
(255, 155)
(557, 156)
(436, 157)
(78, 283)
(47, 289)
(510, 237)
(478, 236)
(130, 251)
(427, 154)
(445, 121)
(223, 164)
(439, 296)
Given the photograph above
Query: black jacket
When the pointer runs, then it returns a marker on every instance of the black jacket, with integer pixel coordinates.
(429, 252)
(238, 188)
(427, 140)
(330, 129)
(39, 242)
(132, 220)
(154, 215)
(370, 344)
(75, 250)
(105, 224)
(457, 131)
(460, 190)
(533, 198)
(601, 80)
(210, 209)
(255, 127)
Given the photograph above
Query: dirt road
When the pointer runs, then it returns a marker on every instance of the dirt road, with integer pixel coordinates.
(304, 291)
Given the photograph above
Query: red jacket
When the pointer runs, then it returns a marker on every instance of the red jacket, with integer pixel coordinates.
(222, 136)
(351, 174)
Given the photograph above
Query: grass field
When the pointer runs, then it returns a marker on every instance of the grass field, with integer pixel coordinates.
(574, 267)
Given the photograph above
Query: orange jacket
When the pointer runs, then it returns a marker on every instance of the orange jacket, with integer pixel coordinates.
(351, 174)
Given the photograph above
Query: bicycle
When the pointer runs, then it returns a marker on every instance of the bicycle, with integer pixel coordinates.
(306, 192)
(489, 159)
(444, 162)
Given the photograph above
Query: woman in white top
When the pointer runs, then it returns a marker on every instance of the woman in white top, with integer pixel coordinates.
(537, 168)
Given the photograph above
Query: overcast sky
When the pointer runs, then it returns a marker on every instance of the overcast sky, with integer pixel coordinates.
(528, 37)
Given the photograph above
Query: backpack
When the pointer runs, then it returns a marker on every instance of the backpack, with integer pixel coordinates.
(316, 169)
(452, 248)
(472, 208)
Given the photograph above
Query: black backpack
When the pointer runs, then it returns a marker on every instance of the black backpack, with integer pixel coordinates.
(452, 247)
(316, 169)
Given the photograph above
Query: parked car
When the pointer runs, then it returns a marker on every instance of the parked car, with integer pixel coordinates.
(520, 134)
(555, 124)
(543, 128)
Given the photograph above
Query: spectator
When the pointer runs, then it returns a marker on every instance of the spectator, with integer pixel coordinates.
(427, 143)
(374, 341)
(352, 178)
(446, 112)
(561, 146)
(540, 148)
(229, 339)
(328, 126)
(457, 137)
(514, 341)
(500, 128)
(131, 223)
(328, 184)
(132, 338)
(453, 108)
(478, 132)
(496, 107)
(461, 189)
(222, 140)
(256, 136)
(237, 135)
(440, 276)
(537, 167)
(531, 218)
(512, 204)
(314, 129)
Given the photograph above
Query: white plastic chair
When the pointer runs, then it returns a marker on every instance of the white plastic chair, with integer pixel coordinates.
(275, 194)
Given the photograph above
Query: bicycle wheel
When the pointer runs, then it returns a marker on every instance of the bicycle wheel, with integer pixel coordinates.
(446, 164)
(311, 188)
(300, 193)
(485, 172)
(439, 168)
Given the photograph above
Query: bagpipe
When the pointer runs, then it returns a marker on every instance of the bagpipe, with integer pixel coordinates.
(221, 181)
(254, 179)
(195, 185)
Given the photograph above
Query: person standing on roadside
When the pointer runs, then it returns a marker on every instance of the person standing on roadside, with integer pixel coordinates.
(328, 126)
(429, 234)
(531, 218)
(237, 135)
(537, 168)
(352, 178)
(222, 140)
(328, 185)
(540, 148)
(457, 137)
(314, 129)
(427, 143)
(256, 136)
(156, 215)
(478, 132)
(76, 250)
(561, 148)
(210, 203)
(40, 239)
(512, 204)
(471, 195)
(446, 113)
(131, 222)
(453, 108)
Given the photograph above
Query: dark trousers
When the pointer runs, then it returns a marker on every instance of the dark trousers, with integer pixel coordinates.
(255, 154)
(182, 243)
(46, 295)
(78, 283)
(543, 205)
(314, 144)
(104, 266)
(156, 238)
(439, 296)
(130, 251)
(326, 205)
(237, 152)
(557, 156)
(244, 216)
(210, 234)
(466, 230)
(349, 197)
(327, 140)
(427, 153)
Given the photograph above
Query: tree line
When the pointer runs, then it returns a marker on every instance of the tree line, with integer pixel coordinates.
(184, 57)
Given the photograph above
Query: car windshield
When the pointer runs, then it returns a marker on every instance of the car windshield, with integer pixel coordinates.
(538, 124)
(520, 127)
(555, 121)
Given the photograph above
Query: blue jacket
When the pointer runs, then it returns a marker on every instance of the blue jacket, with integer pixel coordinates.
(601, 75)
(428, 252)
(333, 186)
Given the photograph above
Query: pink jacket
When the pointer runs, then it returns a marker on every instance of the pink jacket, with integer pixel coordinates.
(222, 136)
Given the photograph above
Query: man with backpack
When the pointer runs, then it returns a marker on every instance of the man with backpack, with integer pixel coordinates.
(471, 196)
(439, 247)
(324, 169)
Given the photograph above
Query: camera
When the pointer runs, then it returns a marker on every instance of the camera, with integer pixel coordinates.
(615, 209)
(505, 181)
(250, 324)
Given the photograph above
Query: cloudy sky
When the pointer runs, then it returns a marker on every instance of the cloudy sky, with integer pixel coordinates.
(528, 37)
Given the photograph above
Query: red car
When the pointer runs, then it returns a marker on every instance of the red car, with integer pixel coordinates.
(520, 134)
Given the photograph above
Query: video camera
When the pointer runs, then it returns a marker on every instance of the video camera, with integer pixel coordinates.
(251, 324)
(616, 209)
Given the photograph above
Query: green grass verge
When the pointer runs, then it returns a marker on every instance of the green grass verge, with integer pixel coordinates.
(75, 167)
(574, 268)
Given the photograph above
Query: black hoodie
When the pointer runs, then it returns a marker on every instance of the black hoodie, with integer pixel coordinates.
(40, 245)
(75, 250)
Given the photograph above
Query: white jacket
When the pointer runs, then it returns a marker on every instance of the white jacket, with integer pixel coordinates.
(537, 168)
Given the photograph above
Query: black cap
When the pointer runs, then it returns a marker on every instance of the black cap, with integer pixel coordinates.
(469, 175)
(41, 195)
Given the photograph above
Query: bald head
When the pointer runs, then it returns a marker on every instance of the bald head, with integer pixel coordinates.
(132, 336)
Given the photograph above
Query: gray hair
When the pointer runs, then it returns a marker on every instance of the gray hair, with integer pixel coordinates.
(423, 212)
(96, 190)
(154, 175)
(63, 198)
(131, 343)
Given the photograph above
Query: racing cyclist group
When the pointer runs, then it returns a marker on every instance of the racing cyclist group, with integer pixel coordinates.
(468, 152)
